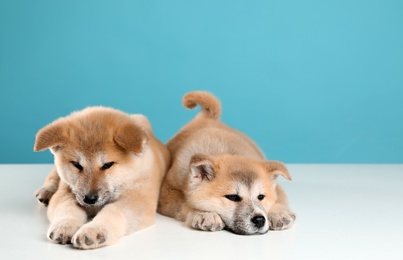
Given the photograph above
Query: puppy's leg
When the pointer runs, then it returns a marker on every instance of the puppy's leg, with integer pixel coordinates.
(171, 202)
(280, 215)
(207, 221)
(115, 220)
(49, 187)
(65, 216)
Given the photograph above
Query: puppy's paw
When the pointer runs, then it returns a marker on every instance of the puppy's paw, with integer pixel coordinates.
(45, 193)
(281, 219)
(61, 232)
(209, 221)
(90, 237)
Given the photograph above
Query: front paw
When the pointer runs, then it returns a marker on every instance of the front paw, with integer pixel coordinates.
(45, 193)
(89, 237)
(281, 219)
(209, 221)
(61, 232)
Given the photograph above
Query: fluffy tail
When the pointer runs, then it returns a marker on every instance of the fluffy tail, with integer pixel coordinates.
(210, 105)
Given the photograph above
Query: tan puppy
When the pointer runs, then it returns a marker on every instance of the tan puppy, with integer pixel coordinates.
(219, 178)
(108, 172)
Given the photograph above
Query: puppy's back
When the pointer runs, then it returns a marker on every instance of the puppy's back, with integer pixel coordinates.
(206, 134)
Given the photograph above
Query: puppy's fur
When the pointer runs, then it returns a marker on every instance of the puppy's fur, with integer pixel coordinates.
(107, 176)
(219, 177)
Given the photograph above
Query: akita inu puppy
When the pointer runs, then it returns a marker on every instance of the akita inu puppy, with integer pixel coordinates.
(107, 176)
(219, 177)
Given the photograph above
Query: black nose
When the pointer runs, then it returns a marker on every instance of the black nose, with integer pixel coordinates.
(258, 221)
(90, 198)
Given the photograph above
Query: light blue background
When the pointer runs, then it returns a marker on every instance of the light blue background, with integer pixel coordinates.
(310, 81)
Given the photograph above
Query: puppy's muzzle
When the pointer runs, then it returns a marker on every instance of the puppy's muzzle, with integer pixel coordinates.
(258, 221)
(90, 198)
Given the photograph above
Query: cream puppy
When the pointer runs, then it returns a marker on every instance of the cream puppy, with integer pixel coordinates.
(220, 179)
(107, 176)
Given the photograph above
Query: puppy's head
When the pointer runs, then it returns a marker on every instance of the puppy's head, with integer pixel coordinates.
(239, 189)
(96, 152)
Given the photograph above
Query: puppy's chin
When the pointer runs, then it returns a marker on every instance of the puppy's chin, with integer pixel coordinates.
(246, 231)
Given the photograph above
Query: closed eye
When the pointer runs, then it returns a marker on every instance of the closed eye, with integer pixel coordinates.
(107, 165)
(77, 165)
(233, 197)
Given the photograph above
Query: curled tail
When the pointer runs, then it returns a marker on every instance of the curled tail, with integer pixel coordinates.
(210, 105)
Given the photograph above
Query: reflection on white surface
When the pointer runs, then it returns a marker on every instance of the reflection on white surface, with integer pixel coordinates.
(343, 212)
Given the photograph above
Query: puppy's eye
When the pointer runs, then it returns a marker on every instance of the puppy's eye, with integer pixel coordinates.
(107, 165)
(77, 165)
(233, 197)
(261, 197)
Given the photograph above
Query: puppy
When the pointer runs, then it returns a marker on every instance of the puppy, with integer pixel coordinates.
(107, 176)
(219, 177)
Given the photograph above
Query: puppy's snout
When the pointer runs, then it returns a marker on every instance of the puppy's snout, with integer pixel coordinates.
(91, 198)
(258, 221)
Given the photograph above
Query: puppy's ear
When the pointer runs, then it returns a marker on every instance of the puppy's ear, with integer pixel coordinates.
(52, 135)
(201, 168)
(131, 137)
(276, 168)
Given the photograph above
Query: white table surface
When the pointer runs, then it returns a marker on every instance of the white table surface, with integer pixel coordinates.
(343, 212)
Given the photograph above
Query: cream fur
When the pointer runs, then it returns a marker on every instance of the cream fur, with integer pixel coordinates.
(127, 191)
(211, 160)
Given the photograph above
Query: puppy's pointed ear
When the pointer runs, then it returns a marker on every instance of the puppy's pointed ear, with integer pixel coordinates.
(52, 135)
(276, 168)
(131, 137)
(201, 168)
